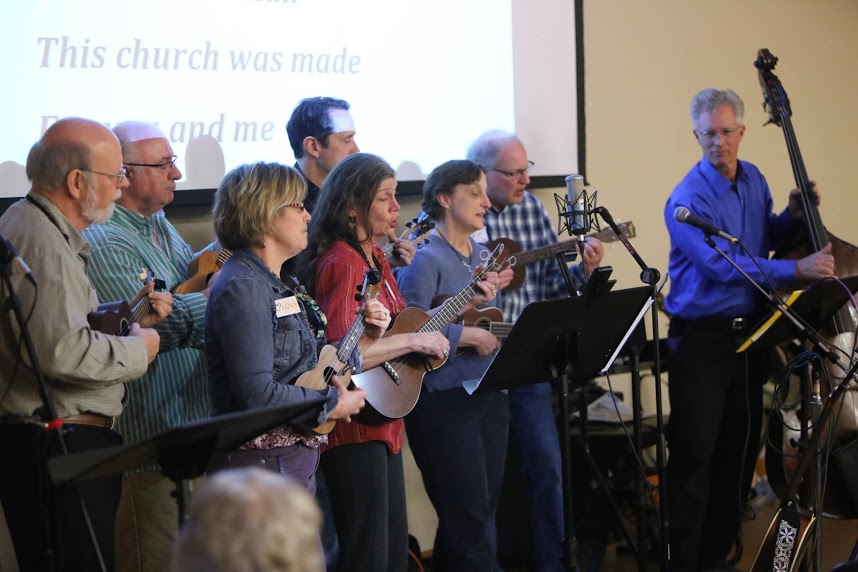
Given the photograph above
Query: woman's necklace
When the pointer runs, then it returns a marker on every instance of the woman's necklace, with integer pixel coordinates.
(465, 263)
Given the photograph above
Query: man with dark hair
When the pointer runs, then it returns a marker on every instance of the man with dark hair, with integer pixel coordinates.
(76, 174)
(175, 390)
(321, 132)
(716, 393)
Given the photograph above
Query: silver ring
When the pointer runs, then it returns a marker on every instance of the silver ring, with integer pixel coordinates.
(446, 353)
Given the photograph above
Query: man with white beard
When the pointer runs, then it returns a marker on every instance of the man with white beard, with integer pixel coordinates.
(76, 174)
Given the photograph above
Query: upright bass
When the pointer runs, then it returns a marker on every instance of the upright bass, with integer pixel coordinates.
(782, 454)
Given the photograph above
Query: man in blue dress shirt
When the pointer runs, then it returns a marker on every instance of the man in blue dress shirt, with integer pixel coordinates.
(715, 393)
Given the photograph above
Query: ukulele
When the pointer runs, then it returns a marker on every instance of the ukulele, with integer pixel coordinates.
(522, 259)
(116, 318)
(201, 269)
(417, 232)
(334, 360)
(489, 319)
(393, 387)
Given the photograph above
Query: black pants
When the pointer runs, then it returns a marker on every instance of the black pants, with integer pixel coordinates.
(46, 522)
(713, 437)
(366, 484)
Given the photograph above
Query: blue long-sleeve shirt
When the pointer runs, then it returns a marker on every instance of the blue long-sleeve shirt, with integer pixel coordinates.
(702, 282)
(436, 270)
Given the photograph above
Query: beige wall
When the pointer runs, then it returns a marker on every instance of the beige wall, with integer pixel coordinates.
(644, 62)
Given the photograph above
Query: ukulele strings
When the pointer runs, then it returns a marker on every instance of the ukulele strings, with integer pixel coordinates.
(491, 265)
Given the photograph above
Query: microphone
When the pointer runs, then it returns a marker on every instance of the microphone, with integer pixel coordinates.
(682, 214)
(8, 255)
(576, 197)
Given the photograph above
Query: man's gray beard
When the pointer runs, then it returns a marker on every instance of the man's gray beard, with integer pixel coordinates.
(88, 209)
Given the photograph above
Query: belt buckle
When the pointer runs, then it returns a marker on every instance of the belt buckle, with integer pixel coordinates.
(738, 324)
(112, 424)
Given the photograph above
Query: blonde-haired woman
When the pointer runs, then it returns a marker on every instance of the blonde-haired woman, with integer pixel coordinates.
(262, 333)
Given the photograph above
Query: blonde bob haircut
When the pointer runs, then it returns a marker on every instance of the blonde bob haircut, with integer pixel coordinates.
(248, 202)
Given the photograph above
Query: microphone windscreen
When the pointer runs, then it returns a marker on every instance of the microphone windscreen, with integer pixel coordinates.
(681, 214)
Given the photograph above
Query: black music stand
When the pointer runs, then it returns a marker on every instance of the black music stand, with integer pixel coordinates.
(182, 452)
(815, 306)
(569, 340)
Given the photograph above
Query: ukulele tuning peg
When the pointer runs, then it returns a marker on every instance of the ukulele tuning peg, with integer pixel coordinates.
(358, 297)
(373, 277)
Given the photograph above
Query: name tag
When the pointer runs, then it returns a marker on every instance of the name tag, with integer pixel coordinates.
(287, 306)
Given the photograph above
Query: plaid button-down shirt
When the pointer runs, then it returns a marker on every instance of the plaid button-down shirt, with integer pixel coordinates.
(528, 225)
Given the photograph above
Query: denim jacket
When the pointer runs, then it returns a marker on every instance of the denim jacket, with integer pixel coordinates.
(252, 354)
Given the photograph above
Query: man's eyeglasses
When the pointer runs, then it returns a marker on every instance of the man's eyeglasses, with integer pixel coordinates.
(120, 176)
(709, 134)
(299, 206)
(165, 166)
(515, 173)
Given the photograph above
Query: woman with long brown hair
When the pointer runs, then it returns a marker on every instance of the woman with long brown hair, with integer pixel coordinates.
(362, 464)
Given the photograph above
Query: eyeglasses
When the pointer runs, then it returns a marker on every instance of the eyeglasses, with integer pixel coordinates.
(165, 166)
(120, 176)
(515, 173)
(299, 206)
(709, 134)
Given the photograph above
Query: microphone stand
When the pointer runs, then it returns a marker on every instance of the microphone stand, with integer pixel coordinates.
(808, 334)
(651, 276)
(47, 413)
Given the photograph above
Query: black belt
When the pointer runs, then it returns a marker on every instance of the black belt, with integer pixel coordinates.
(713, 324)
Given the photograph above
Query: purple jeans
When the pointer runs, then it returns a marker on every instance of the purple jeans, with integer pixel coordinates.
(298, 461)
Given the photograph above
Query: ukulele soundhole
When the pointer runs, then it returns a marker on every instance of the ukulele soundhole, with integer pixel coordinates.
(329, 373)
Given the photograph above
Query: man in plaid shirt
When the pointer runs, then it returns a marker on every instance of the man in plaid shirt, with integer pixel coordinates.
(518, 215)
